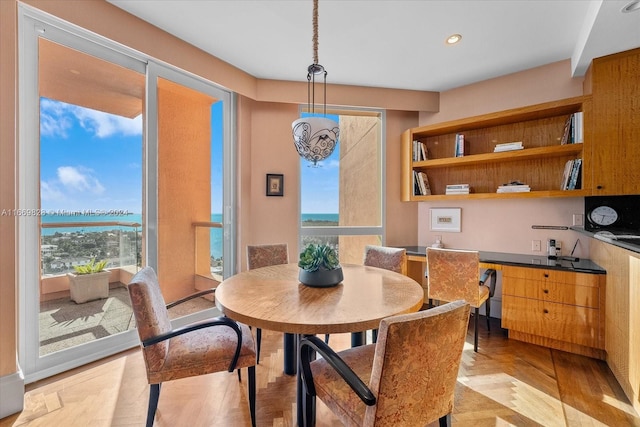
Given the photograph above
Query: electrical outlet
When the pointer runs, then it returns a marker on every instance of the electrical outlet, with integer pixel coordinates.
(578, 219)
(535, 246)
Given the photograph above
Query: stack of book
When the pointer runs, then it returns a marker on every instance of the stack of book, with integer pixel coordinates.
(421, 184)
(571, 177)
(508, 146)
(514, 187)
(457, 189)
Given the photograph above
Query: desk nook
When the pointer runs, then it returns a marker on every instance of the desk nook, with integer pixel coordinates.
(553, 303)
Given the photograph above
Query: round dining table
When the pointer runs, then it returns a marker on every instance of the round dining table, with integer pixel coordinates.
(273, 298)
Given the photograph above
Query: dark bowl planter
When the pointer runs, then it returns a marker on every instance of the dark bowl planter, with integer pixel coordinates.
(321, 278)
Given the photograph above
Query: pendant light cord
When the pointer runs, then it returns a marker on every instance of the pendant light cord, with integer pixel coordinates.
(315, 31)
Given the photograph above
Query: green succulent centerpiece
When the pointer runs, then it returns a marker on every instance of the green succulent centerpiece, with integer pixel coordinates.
(319, 266)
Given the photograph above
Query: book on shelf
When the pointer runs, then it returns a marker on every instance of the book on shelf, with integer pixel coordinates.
(421, 184)
(457, 186)
(508, 146)
(459, 148)
(458, 191)
(573, 129)
(572, 175)
(419, 151)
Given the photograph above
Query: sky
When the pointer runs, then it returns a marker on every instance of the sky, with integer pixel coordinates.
(91, 160)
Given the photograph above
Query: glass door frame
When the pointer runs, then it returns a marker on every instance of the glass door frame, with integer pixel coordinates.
(34, 24)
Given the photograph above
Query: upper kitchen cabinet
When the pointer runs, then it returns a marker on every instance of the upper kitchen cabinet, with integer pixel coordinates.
(615, 144)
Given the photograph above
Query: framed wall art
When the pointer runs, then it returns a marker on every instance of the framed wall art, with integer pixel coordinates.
(275, 184)
(445, 219)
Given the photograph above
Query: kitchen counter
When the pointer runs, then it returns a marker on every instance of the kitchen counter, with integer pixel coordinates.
(523, 260)
(629, 244)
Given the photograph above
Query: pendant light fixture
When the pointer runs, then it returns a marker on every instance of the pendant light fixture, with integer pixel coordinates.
(315, 137)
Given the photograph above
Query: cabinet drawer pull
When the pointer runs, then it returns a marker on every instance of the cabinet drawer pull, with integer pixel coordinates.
(546, 291)
(546, 275)
(545, 311)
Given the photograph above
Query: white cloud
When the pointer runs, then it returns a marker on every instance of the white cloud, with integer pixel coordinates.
(50, 192)
(79, 179)
(57, 117)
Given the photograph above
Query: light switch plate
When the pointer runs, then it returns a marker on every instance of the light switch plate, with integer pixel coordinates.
(578, 219)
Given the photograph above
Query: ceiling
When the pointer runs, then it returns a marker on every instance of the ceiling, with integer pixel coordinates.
(397, 44)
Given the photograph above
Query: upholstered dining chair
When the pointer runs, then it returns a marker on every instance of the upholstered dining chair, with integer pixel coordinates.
(259, 256)
(455, 274)
(407, 378)
(389, 258)
(212, 345)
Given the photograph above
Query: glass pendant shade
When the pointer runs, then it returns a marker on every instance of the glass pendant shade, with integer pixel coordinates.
(315, 137)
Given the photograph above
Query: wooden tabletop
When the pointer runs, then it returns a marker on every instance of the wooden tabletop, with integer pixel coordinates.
(272, 298)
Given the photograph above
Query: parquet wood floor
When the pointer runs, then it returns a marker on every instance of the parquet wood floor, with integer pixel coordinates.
(507, 383)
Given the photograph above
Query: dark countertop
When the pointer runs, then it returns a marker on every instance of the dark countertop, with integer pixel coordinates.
(631, 245)
(523, 260)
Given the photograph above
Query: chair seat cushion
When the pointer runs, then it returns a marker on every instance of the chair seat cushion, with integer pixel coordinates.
(203, 351)
(335, 392)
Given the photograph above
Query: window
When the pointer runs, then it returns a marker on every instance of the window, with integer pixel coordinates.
(341, 200)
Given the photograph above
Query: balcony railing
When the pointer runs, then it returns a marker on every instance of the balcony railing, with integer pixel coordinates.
(119, 243)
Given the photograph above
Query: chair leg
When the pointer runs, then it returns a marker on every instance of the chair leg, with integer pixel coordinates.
(374, 336)
(154, 395)
(487, 309)
(239, 375)
(475, 338)
(252, 394)
(259, 341)
(326, 338)
(445, 421)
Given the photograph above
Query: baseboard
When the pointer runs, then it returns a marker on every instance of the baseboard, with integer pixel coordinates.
(11, 394)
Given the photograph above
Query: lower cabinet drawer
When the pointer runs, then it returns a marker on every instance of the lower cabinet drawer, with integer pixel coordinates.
(574, 324)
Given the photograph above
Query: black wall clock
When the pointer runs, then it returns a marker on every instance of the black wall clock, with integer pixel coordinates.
(612, 213)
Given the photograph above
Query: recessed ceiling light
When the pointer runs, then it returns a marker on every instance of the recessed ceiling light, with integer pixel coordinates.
(631, 6)
(455, 38)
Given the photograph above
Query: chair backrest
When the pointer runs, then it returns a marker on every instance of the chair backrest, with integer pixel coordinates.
(394, 259)
(265, 255)
(415, 366)
(453, 275)
(152, 318)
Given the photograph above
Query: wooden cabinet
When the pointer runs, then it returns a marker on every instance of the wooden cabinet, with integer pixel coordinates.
(558, 309)
(540, 164)
(616, 124)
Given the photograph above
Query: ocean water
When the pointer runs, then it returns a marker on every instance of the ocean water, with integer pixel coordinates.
(216, 233)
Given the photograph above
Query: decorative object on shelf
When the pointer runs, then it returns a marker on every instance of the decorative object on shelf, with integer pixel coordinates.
(459, 152)
(315, 137)
(319, 266)
(89, 282)
(514, 187)
(275, 184)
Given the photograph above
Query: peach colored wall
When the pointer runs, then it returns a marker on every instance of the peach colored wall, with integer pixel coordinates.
(505, 225)
(541, 84)
(8, 229)
(270, 219)
(184, 188)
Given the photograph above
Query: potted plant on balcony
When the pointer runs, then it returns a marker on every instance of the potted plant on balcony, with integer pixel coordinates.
(89, 282)
(319, 266)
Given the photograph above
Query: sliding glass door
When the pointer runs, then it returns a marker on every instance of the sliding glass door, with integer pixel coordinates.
(122, 161)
